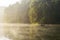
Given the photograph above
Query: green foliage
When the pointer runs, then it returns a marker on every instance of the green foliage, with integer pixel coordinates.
(35, 11)
(45, 9)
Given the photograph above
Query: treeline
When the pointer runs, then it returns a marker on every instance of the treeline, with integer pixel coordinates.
(34, 11)
(17, 13)
(45, 11)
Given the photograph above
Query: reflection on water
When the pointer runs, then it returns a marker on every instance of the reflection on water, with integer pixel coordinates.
(29, 32)
(2, 36)
(16, 31)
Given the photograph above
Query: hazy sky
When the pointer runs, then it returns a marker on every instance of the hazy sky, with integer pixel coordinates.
(7, 2)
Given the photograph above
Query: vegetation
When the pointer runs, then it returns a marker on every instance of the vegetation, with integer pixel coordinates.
(35, 12)
(17, 13)
(44, 11)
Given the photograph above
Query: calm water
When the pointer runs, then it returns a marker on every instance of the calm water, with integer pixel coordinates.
(29, 32)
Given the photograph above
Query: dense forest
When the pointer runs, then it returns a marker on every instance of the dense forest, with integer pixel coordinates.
(45, 11)
(34, 11)
(17, 13)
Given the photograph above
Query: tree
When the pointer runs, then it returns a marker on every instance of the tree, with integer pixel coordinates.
(44, 11)
(11, 13)
(17, 13)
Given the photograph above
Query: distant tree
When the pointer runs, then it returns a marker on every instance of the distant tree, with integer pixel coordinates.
(11, 13)
(17, 13)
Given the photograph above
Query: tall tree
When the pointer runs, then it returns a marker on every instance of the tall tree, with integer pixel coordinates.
(44, 11)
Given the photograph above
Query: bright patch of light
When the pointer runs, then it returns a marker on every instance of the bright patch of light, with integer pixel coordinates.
(4, 38)
(8, 2)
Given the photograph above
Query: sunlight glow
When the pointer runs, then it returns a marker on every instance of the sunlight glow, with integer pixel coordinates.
(8, 2)
(4, 38)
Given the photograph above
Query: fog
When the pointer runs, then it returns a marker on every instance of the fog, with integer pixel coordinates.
(26, 20)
